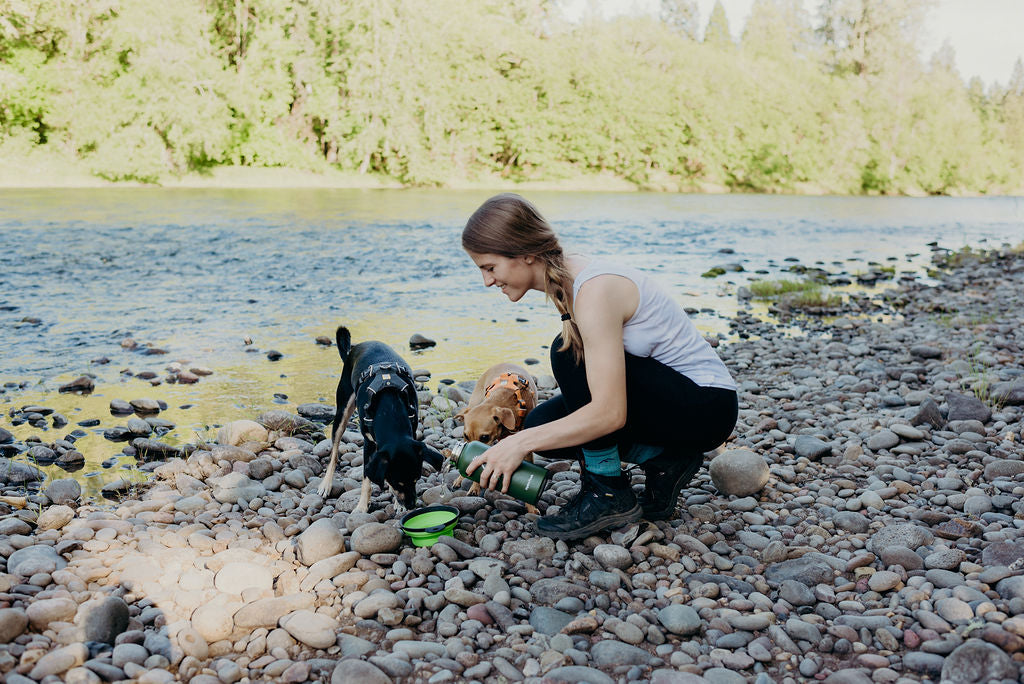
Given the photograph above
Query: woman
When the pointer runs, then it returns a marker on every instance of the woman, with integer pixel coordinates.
(638, 382)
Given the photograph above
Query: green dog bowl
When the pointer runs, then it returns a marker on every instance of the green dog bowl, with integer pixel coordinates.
(425, 525)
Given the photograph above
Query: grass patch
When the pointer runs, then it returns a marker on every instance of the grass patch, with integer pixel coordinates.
(770, 289)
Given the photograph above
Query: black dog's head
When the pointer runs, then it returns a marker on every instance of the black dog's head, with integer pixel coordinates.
(399, 464)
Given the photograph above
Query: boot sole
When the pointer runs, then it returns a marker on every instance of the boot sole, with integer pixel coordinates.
(684, 479)
(615, 520)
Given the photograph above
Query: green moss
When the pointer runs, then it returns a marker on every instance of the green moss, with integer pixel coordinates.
(713, 273)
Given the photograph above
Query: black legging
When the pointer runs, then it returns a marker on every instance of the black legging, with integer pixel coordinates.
(664, 408)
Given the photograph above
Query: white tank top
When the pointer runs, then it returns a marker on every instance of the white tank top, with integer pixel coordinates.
(660, 328)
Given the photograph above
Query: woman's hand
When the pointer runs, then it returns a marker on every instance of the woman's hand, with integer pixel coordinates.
(499, 462)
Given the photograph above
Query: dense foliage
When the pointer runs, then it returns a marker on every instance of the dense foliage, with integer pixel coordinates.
(432, 92)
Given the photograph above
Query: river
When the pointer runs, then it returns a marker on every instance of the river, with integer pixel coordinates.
(198, 273)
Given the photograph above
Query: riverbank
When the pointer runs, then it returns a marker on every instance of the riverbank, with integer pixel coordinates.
(862, 525)
(37, 171)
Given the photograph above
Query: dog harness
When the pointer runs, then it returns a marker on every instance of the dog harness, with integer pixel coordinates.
(382, 376)
(516, 383)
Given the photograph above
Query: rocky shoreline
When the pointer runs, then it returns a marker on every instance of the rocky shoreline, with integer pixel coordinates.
(862, 525)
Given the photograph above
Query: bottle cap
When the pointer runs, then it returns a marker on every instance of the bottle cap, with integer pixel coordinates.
(456, 450)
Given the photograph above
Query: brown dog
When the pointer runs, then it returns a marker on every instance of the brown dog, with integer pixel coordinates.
(503, 396)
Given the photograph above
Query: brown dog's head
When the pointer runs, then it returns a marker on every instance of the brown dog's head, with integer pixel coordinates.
(487, 423)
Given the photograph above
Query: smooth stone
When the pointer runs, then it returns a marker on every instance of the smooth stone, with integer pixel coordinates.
(59, 660)
(103, 620)
(548, 620)
(571, 674)
(811, 571)
(612, 652)
(375, 537)
(906, 535)
(42, 613)
(978, 661)
(55, 517)
(811, 448)
(739, 472)
(358, 672)
(320, 540)
(63, 491)
(680, 618)
(313, 629)
(234, 578)
(13, 623)
(613, 556)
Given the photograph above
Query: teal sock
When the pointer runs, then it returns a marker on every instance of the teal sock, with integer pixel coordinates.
(603, 461)
(641, 453)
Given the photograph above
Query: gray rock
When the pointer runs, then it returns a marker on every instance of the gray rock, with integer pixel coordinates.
(550, 591)
(667, 676)
(923, 663)
(103, 620)
(535, 547)
(1003, 468)
(796, 593)
(28, 561)
(975, 662)
(129, 653)
(9, 526)
(680, 619)
(811, 448)
(352, 671)
(375, 537)
(739, 471)
(19, 473)
(883, 439)
(13, 623)
(548, 620)
(613, 556)
(907, 535)
(929, 414)
(902, 556)
(571, 674)
(63, 491)
(809, 571)
(234, 486)
(966, 407)
(851, 521)
(1008, 393)
(613, 652)
(320, 540)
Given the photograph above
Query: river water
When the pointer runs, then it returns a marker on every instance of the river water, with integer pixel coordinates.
(198, 272)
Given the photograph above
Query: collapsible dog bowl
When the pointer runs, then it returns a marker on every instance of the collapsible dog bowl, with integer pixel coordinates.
(425, 525)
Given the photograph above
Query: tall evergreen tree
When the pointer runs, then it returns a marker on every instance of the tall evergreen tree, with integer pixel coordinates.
(717, 32)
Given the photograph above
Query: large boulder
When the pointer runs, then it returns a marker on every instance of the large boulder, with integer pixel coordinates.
(739, 471)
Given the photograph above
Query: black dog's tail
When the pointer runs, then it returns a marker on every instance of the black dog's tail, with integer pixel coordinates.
(344, 338)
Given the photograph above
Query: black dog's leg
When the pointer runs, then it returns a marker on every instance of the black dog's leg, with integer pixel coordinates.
(369, 449)
(346, 405)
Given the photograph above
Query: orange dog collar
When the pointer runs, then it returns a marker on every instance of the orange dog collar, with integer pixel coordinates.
(517, 384)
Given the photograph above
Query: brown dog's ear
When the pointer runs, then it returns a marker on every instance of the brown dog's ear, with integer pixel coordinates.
(506, 417)
(462, 414)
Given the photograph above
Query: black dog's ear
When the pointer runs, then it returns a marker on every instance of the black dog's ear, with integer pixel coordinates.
(430, 456)
(377, 468)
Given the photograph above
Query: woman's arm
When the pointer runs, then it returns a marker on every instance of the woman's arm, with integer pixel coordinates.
(604, 305)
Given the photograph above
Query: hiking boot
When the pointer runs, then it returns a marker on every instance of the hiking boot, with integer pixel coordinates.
(603, 501)
(666, 477)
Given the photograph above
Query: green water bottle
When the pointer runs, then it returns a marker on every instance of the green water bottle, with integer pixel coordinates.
(528, 481)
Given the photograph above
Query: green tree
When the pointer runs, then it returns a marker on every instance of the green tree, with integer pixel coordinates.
(717, 31)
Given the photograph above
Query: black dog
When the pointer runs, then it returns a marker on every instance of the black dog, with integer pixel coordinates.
(378, 382)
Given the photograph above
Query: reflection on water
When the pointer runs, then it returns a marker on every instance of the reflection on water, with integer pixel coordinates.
(195, 272)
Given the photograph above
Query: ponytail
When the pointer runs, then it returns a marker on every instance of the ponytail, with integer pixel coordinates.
(558, 288)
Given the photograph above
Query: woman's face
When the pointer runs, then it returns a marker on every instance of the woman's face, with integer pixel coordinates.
(514, 275)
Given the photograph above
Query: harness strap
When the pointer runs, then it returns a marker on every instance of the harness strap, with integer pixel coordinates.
(516, 383)
(382, 376)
